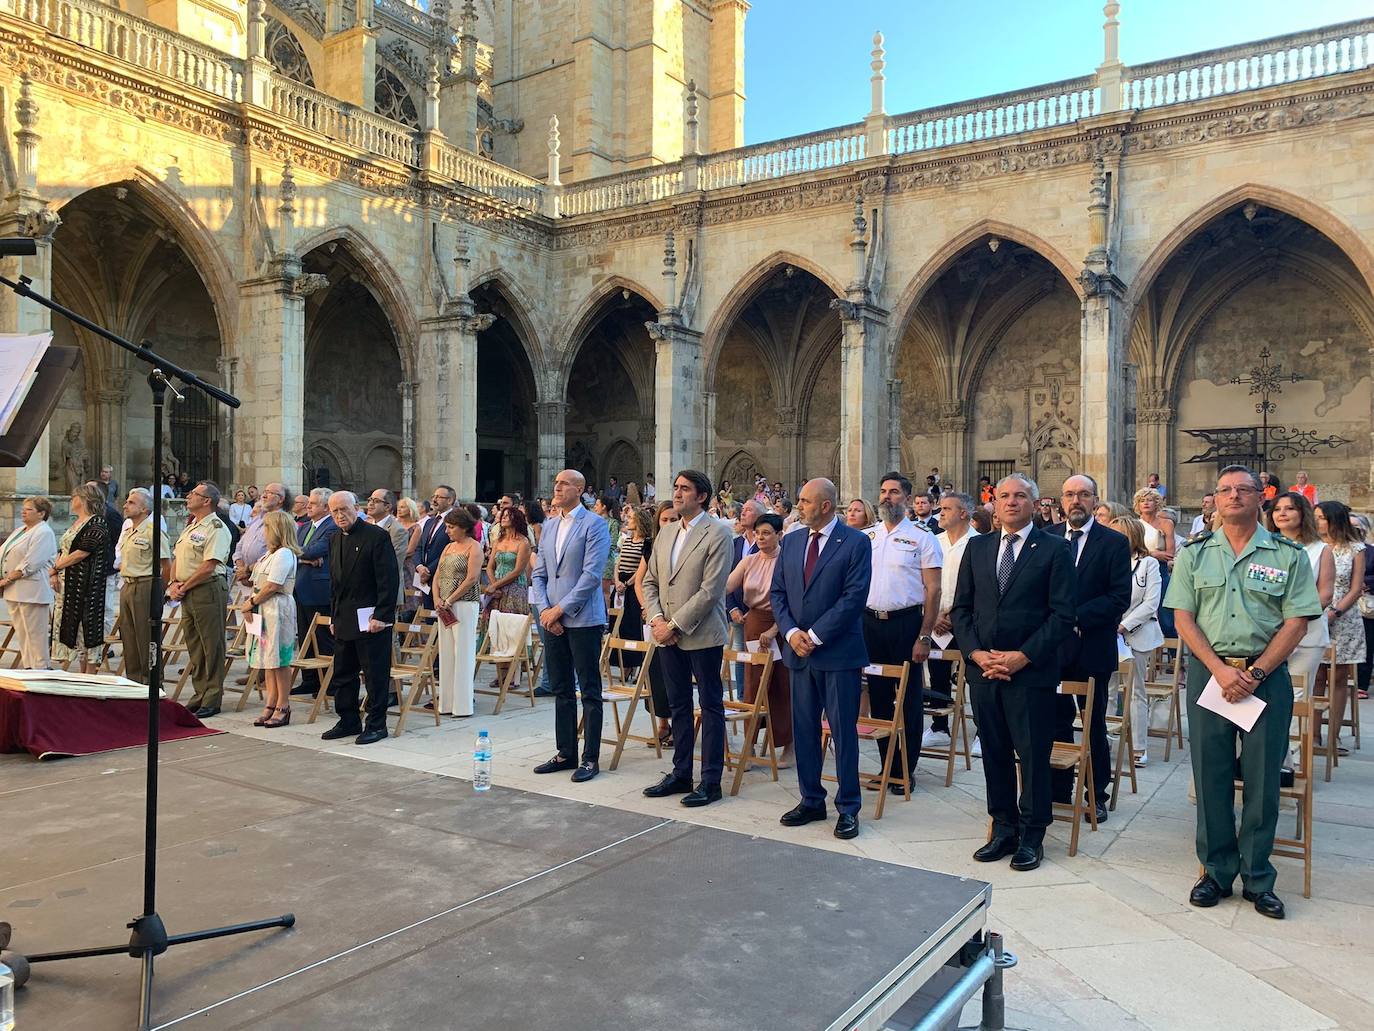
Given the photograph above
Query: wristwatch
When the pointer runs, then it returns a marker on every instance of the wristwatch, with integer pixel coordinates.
(927, 640)
(1256, 674)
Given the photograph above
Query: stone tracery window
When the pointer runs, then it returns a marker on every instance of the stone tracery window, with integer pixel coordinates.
(287, 55)
(393, 99)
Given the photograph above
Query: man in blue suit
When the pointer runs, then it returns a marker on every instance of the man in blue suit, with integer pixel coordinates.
(566, 588)
(312, 579)
(820, 585)
(433, 538)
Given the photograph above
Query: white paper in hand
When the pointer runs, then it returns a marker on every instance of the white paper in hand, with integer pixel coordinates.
(942, 640)
(751, 646)
(1123, 650)
(1243, 713)
(364, 615)
(252, 624)
(420, 586)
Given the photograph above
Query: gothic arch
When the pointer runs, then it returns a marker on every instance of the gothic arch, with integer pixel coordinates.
(732, 305)
(531, 339)
(335, 454)
(618, 449)
(585, 318)
(936, 265)
(199, 243)
(1319, 218)
(739, 468)
(383, 283)
(1001, 317)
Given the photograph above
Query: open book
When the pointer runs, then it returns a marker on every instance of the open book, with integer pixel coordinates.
(19, 357)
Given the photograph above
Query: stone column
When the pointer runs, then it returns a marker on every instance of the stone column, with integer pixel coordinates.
(677, 398)
(407, 392)
(271, 354)
(708, 426)
(863, 397)
(792, 458)
(1102, 352)
(446, 443)
(553, 443)
(1155, 419)
(108, 404)
(957, 458)
(894, 425)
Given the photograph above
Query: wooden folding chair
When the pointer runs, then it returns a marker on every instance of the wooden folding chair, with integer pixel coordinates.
(873, 729)
(238, 649)
(956, 717)
(1125, 733)
(1165, 680)
(310, 657)
(414, 668)
(508, 667)
(615, 616)
(108, 664)
(630, 695)
(174, 650)
(7, 645)
(1300, 845)
(1349, 719)
(1066, 755)
(753, 715)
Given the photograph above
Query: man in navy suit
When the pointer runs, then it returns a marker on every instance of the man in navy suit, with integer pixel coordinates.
(312, 579)
(820, 585)
(566, 588)
(433, 537)
(1102, 563)
(1013, 608)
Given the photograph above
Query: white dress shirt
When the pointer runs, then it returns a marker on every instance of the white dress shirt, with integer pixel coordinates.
(562, 531)
(1016, 548)
(684, 528)
(825, 533)
(1078, 544)
(949, 572)
(899, 555)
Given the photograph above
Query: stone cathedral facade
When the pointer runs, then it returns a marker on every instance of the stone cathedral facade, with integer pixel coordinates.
(472, 242)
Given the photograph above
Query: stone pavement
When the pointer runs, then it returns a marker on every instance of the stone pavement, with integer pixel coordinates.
(1106, 939)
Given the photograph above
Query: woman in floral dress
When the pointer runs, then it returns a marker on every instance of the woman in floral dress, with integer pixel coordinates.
(273, 647)
(78, 577)
(1343, 614)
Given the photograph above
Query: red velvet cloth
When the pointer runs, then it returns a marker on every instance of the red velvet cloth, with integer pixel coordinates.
(49, 726)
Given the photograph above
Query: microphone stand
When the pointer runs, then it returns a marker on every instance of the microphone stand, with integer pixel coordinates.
(149, 936)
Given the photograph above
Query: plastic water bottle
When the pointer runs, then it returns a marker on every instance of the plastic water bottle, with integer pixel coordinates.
(6, 998)
(481, 768)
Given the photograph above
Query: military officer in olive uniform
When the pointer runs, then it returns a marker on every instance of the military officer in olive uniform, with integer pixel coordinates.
(1242, 598)
(199, 583)
(135, 596)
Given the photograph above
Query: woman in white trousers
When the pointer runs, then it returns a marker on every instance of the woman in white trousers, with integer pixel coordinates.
(1140, 628)
(455, 587)
(25, 560)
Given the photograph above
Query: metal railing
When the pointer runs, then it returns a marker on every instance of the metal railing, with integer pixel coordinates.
(1004, 114)
(342, 122)
(490, 177)
(622, 190)
(108, 30)
(1268, 62)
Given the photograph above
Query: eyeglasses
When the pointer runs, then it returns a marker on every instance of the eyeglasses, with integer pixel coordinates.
(274, 493)
(1240, 492)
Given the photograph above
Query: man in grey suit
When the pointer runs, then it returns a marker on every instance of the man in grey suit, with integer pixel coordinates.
(381, 510)
(684, 602)
(566, 589)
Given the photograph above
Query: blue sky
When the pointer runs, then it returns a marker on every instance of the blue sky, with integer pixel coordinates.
(807, 60)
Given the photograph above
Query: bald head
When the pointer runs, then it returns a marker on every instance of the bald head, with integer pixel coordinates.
(816, 503)
(567, 489)
(1078, 499)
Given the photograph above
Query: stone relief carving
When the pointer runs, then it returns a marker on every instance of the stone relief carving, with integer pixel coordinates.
(76, 459)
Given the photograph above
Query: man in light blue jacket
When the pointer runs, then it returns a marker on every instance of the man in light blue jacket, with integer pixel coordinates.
(566, 588)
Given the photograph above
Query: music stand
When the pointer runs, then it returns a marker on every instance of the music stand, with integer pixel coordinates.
(149, 938)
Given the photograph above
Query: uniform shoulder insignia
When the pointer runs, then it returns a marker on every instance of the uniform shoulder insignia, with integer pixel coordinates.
(1198, 537)
(1288, 540)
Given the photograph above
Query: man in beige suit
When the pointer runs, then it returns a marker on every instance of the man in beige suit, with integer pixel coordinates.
(381, 509)
(684, 603)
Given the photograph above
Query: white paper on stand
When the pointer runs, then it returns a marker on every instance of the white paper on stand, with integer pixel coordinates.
(363, 616)
(1243, 713)
(942, 640)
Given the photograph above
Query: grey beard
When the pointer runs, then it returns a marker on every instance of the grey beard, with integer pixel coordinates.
(891, 513)
(1078, 519)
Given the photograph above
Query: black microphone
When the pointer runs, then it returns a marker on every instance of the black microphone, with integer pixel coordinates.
(18, 246)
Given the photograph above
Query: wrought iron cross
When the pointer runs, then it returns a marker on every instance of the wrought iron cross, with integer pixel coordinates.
(1266, 379)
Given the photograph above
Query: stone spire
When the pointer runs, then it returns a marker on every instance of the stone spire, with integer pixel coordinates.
(1110, 72)
(286, 209)
(670, 270)
(257, 28)
(879, 80)
(26, 114)
(554, 143)
(858, 245)
(691, 143)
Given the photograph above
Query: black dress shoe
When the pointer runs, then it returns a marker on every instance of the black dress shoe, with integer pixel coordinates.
(703, 795)
(205, 713)
(371, 737)
(1207, 892)
(301, 689)
(998, 848)
(556, 765)
(1028, 857)
(669, 785)
(339, 730)
(802, 815)
(1101, 812)
(847, 826)
(585, 772)
(1266, 903)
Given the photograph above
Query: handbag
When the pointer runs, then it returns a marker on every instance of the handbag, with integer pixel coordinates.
(1367, 606)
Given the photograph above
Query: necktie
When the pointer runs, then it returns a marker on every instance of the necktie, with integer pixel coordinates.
(1008, 562)
(309, 535)
(813, 553)
(1074, 537)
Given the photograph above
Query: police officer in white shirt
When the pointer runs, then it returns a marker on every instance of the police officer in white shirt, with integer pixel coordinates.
(903, 602)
